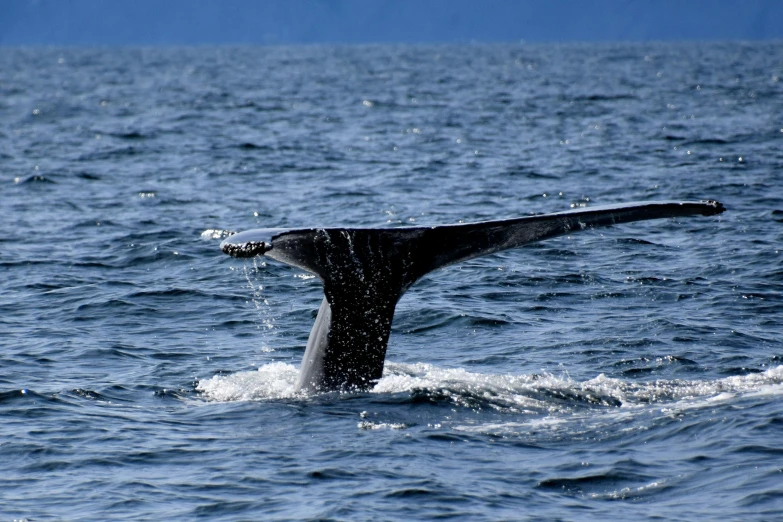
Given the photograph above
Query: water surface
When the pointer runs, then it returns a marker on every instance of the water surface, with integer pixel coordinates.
(634, 372)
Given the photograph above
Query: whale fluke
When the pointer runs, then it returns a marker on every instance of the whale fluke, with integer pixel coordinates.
(365, 271)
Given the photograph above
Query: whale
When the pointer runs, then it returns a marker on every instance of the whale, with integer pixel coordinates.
(365, 271)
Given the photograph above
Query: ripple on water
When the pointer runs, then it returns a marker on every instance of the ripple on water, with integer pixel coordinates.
(610, 375)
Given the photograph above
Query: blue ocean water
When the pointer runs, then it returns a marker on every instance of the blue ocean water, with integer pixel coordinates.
(634, 372)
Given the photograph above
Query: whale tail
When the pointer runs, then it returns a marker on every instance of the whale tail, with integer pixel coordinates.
(366, 270)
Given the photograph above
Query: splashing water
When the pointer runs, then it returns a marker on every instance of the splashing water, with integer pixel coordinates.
(507, 392)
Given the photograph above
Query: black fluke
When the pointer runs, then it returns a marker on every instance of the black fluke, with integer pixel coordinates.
(365, 271)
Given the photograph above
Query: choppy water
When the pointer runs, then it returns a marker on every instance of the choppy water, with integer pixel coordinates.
(625, 373)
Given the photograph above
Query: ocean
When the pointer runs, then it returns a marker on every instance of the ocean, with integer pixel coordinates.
(625, 373)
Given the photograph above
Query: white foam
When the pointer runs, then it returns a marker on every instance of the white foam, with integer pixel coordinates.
(675, 390)
(509, 392)
(214, 233)
(367, 425)
(639, 400)
(502, 391)
(270, 381)
(625, 493)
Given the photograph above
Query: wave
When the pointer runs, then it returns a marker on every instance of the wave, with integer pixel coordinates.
(534, 393)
